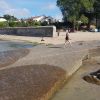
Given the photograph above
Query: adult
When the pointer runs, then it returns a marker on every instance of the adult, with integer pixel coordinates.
(67, 38)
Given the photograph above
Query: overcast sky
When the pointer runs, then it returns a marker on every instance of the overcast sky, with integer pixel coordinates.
(29, 8)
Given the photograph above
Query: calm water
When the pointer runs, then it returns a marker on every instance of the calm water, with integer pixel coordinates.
(9, 45)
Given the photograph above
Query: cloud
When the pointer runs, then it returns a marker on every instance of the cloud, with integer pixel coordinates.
(18, 12)
(4, 5)
(58, 16)
(6, 8)
(27, 8)
(46, 6)
(50, 6)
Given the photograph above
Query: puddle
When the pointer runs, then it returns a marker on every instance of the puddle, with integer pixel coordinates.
(93, 77)
(10, 57)
(15, 45)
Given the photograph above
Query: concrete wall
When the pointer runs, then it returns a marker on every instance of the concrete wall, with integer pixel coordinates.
(45, 31)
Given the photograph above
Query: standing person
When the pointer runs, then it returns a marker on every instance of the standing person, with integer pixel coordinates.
(67, 37)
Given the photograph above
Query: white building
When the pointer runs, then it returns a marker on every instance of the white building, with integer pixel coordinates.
(2, 20)
(48, 19)
(42, 18)
(38, 18)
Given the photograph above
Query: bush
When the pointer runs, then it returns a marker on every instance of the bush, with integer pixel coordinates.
(37, 23)
(12, 24)
(3, 24)
(45, 23)
(18, 24)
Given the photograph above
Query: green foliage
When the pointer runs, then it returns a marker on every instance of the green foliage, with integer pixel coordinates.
(74, 10)
(37, 24)
(3, 24)
(12, 24)
(45, 23)
(33, 23)
(23, 23)
(84, 19)
(30, 22)
(9, 17)
(87, 4)
(72, 18)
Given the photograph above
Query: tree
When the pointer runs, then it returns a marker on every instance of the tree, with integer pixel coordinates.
(84, 19)
(9, 17)
(3, 24)
(44, 23)
(97, 11)
(72, 10)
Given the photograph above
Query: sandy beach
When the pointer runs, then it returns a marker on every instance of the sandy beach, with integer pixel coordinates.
(77, 36)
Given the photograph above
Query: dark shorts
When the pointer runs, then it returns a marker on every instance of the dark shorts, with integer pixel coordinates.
(67, 38)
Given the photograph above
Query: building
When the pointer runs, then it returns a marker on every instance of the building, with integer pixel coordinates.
(43, 18)
(38, 18)
(2, 19)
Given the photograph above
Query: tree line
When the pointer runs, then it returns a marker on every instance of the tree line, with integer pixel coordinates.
(80, 11)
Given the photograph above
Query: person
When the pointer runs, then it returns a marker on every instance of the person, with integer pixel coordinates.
(67, 38)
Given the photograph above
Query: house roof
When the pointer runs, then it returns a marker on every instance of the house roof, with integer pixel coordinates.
(37, 16)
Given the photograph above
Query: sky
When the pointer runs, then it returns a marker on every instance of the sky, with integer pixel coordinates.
(30, 8)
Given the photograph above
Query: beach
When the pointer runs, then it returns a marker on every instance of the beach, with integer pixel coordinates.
(77, 36)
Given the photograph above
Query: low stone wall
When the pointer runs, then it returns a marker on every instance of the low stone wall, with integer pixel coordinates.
(43, 31)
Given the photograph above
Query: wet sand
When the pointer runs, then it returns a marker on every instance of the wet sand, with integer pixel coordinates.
(10, 57)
